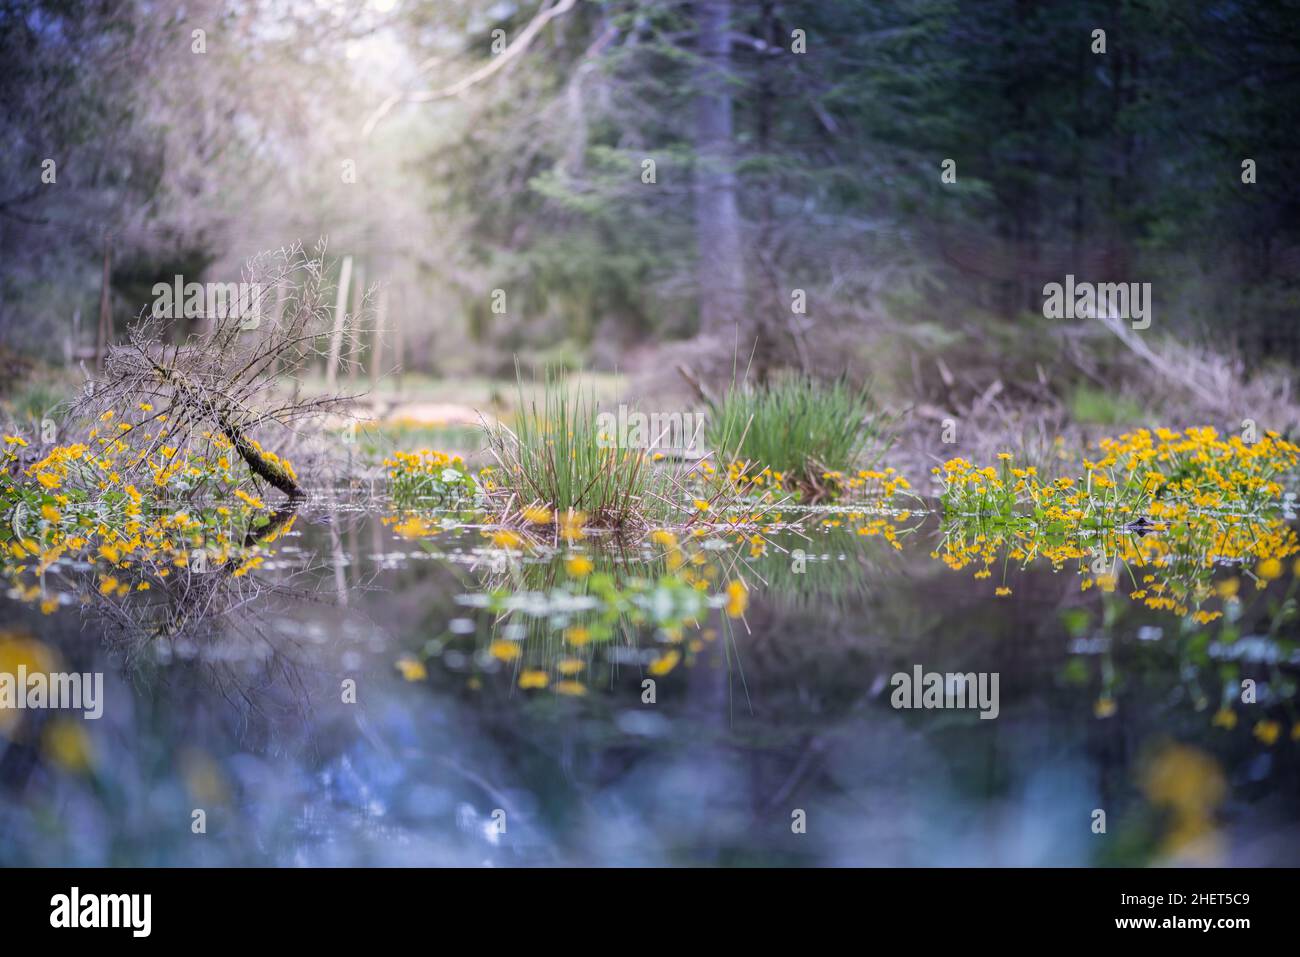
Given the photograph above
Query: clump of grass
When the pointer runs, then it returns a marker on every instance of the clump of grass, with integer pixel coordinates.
(801, 429)
(556, 461)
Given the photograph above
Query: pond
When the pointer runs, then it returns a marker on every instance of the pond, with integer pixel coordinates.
(407, 687)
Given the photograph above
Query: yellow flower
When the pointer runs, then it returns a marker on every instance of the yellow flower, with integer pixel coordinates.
(243, 496)
(1267, 731)
(664, 663)
(570, 666)
(533, 678)
(737, 599)
(701, 505)
(1228, 587)
(577, 636)
(1225, 718)
(578, 566)
(1269, 569)
(1002, 592)
(571, 688)
(66, 745)
(413, 527)
(571, 525)
(503, 650)
(506, 539)
(537, 515)
(412, 669)
(51, 514)
(1104, 707)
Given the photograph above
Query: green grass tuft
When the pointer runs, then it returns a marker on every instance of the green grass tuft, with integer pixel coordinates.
(799, 427)
(555, 458)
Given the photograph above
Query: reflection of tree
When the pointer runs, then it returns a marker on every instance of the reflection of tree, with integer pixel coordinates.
(226, 618)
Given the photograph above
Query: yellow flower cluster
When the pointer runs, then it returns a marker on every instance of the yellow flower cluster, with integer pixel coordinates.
(79, 526)
(423, 461)
(1160, 474)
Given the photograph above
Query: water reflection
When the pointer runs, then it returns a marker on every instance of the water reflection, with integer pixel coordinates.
(388, 686)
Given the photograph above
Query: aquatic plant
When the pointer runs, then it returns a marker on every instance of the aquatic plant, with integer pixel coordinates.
(428, 476)
(798, 433)
(555, 458)
(1143, 475)
(73, 525)
(557, 463)
(1169, 566)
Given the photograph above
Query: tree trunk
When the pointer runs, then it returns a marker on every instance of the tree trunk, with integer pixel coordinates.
(358, 301)
(377, 340)
(340, 319)
(105, 331)
(399, 336)
(721, 268)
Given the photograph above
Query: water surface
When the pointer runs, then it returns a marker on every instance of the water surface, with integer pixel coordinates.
(353, 703)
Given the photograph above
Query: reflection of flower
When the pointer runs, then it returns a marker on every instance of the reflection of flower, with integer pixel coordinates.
(1267, 731)
(664, 663)
(1225, 718)
(578, 566)
(66, 745)
(1176, 560)
(1269, 569)
(533, 678)
(1187, 783)
(412, 669)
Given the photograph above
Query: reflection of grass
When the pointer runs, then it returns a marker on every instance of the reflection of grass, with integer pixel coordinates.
(856, 546)
(799, 428)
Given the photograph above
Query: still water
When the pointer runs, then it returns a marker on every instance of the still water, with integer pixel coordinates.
(390, 689)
